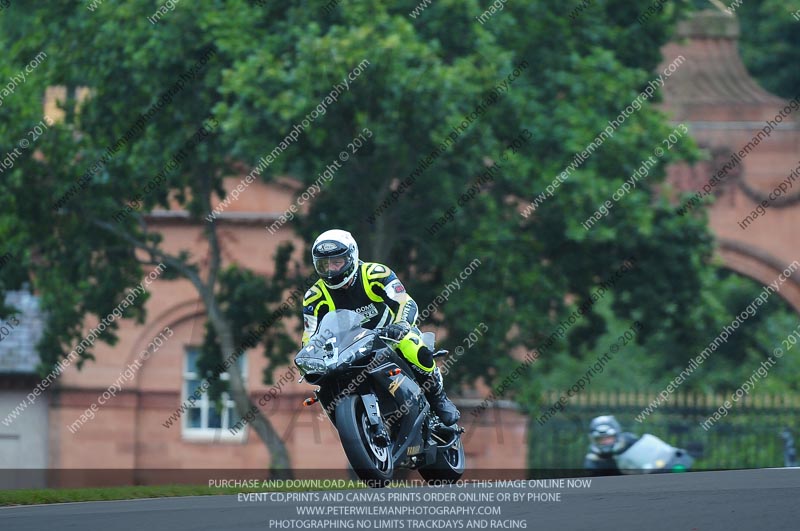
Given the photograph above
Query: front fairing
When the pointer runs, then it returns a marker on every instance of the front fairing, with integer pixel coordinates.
(340, 341)
(648, 454)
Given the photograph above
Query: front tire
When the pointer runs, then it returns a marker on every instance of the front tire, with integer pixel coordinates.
(372, 464)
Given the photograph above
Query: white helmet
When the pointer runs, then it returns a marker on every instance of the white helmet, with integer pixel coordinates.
(335, 255)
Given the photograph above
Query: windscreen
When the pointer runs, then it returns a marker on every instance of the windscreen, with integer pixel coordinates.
(649, 452)
(338, 322)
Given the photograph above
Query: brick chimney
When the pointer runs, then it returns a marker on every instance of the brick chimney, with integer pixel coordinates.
(713, 84)
(726, 110)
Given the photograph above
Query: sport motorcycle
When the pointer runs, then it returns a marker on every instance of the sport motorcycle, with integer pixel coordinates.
(369, 393)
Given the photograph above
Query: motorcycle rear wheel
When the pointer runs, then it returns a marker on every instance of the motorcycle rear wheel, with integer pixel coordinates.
(372, 464)
(449, 466)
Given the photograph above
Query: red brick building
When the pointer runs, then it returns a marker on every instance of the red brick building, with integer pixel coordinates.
(726, 111)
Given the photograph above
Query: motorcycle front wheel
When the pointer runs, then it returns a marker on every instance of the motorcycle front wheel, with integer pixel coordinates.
(371, 463)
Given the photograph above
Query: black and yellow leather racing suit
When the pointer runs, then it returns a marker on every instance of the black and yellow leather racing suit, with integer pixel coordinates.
(381, 299)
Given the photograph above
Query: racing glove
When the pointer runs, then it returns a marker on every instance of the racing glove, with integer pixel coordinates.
(397, 331)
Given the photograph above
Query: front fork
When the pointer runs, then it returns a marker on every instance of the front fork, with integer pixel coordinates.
(380, 436)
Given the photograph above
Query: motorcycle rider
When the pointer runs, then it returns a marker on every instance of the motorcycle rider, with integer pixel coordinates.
(375, 292)
(606, 441)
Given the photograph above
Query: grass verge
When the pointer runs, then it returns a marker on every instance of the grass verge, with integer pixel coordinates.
(38, 496)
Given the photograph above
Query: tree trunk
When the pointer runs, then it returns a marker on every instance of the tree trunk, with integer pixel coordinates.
(280, 464)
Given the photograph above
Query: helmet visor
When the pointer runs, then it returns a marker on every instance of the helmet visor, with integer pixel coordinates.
(329, 267)
(605, 440)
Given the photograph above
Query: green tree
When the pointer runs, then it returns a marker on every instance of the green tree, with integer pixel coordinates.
(725, 370)
(426, 75)
(81, 254)
(770, 42)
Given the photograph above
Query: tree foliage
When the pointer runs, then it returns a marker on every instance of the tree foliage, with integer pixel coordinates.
(770, 44)
(146, 137)
(425, 76)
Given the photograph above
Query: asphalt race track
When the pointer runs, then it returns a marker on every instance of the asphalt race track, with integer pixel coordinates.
(767, 500)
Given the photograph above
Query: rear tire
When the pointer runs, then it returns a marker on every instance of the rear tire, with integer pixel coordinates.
(449, 466)
(372, 464)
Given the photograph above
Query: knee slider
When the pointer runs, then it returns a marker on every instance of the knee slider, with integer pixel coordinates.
(425, 356)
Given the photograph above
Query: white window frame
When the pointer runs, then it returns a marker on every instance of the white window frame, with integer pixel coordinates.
(206, 434)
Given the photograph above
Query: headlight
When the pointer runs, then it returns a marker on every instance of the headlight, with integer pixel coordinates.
(307, 365)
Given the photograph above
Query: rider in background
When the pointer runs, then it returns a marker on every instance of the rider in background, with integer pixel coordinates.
(375, 292)
(606, 441)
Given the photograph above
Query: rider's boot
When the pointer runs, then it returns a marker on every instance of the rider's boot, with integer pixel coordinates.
(432, 384)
